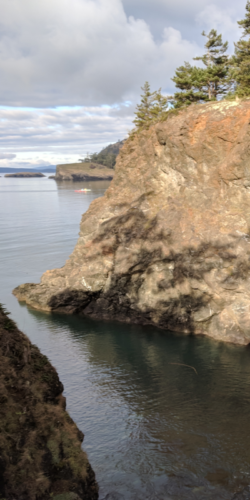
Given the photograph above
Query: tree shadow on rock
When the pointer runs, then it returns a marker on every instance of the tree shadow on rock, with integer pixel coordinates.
(149, 235)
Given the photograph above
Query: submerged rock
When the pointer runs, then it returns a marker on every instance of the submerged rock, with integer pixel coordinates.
(169, 242)
(40, 445)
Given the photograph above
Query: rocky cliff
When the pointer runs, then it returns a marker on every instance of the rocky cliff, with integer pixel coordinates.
(40, 446)
(169, 243)
(83, 172)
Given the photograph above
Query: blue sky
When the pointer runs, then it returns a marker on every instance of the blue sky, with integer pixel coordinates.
(71, 70)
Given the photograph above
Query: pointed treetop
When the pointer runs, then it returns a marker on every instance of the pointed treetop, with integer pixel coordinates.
(245, 23)
(215, 49)
(151, 107)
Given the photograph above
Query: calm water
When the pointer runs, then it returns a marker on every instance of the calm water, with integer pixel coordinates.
(153, 429)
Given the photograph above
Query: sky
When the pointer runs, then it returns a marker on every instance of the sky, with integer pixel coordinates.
(71, 71)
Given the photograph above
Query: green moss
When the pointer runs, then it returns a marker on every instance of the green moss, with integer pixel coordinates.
(47, 377)
(9, 325)
(39, 361)
(53, 446)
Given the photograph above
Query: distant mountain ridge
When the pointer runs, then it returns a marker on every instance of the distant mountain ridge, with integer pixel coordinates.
(10, 170)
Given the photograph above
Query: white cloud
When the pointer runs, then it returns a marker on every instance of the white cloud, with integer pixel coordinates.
(7, 156)
(222, 20)
(52, 136)
(79, 52)
(181, 15)
(82, 54)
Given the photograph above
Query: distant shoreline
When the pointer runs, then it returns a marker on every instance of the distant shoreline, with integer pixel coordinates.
(45, 170)
(25, 175)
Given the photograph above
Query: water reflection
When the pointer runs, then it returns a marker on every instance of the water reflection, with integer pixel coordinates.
(165, 432)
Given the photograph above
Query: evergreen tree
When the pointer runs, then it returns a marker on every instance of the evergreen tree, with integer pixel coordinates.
(143, 115)
(190, 80)
(241, 59)
(151, 107)
(203, 84)
(216, 63)
(159, 105)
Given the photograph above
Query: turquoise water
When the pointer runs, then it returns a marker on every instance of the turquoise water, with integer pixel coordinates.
(153, 429)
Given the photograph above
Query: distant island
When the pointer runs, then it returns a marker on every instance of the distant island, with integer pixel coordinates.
(83, 172)
(25, 174)
(98, 166)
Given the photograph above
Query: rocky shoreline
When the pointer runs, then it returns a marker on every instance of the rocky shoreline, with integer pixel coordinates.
(169, 242)
(40, 445)
(88, 171)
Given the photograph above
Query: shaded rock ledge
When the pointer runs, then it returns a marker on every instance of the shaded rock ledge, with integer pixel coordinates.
(40, 445)
(169, 242)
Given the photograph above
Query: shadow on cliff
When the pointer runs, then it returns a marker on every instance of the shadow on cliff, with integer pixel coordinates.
(151, 243)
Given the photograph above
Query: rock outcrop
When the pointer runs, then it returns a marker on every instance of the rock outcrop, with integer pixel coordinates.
(169, 242)
(83, 172)
(40, 445)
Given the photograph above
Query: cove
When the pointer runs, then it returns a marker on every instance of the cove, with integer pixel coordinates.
(153, 429)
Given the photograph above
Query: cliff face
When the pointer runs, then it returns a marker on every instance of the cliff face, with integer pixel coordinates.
(83, 172)
(169, 243)
(40, 446)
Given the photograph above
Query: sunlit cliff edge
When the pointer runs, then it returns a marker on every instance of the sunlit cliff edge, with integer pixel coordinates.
(169, 242)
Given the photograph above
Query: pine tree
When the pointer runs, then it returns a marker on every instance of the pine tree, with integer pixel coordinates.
(160, 105)
(143, 110)
(190, 80)
(216, 63)
(241, 59)
(151, 107)
(203, 84)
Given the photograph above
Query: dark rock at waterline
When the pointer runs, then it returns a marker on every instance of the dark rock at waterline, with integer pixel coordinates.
(40, 445)
(242, 495)
(169, 242)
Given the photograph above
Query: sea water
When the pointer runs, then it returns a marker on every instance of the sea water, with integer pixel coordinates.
(154, 428)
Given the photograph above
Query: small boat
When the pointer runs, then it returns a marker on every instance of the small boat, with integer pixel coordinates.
(82, 190)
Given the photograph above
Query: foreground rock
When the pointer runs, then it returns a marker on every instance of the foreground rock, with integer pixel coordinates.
(40, 446)
(169, 242)
(83, 172)
(25, 174)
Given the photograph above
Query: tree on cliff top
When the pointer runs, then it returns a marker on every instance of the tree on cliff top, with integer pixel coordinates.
(203, 84)
(241, 59)
(152, 105)
(190, 80)
(216, 62)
